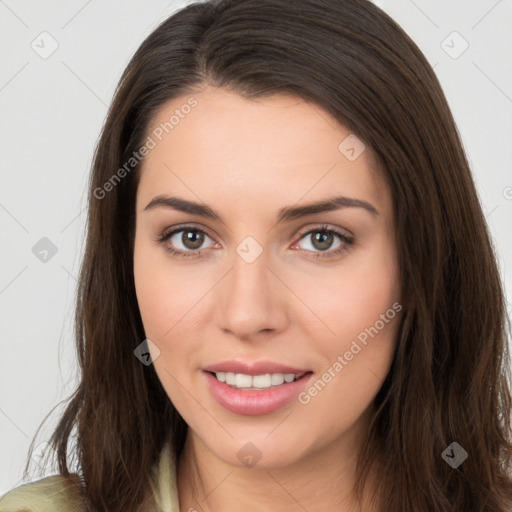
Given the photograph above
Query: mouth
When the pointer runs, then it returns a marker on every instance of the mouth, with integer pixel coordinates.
(255, 395)
(256, 382)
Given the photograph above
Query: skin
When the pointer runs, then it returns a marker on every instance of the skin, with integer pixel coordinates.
(247, 159)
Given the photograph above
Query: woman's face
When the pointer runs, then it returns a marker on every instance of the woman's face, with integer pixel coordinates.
(264, 283)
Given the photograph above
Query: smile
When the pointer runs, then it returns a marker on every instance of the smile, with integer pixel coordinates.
(251, 382)
(255, 395)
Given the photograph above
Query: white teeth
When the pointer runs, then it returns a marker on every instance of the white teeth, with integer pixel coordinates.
(261, 381)
(277, 379)
(241, 380)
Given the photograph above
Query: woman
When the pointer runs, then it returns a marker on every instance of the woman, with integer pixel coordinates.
(289, 298)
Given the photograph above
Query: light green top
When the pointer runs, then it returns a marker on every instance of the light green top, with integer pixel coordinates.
(51, 495)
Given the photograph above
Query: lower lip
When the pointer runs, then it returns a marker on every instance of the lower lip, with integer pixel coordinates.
(255, 402)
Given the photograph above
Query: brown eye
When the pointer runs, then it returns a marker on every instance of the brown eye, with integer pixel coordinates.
(185, 241)
(322, 242)
(192, 239)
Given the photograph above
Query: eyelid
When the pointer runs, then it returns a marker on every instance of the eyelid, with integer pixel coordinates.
(325, 227)
(169, 233)
(183, 227)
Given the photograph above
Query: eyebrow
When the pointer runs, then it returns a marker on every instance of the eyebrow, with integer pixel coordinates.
(285, 214)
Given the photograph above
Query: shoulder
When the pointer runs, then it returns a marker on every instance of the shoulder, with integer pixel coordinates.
(51, 494)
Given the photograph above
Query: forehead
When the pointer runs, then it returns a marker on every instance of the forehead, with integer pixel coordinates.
(263, 152)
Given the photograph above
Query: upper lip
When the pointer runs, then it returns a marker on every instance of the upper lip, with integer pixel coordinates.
(254, 368)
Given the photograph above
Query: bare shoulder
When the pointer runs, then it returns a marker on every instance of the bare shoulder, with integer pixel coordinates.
(51, 494)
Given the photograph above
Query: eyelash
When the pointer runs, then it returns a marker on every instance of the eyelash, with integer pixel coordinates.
(347, 241)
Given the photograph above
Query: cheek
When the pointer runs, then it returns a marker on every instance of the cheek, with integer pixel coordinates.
(165, 294)
(356, 293)
(168, 300)
(363, 311)
(366, 319)
(153, 294)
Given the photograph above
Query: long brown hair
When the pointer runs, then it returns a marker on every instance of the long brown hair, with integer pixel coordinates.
(449, 381)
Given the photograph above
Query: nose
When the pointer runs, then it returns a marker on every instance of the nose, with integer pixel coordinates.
(251, 301)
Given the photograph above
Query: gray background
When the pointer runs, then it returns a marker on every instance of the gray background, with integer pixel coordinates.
(52, 107)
